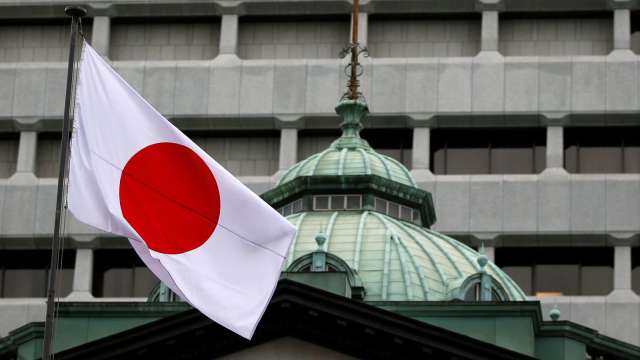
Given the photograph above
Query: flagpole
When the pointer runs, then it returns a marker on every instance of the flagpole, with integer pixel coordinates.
(75, 13)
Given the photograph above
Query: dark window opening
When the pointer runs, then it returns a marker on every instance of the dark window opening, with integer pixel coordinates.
(243, 153)
(488, 151)
(474, 294)
(395, 143)
(556, 271)
(635, 269)
(598, 150)
(8, 153)
(121, 273)
(24, 273)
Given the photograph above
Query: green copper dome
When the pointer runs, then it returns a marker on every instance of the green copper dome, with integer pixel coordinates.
(373, 223)
(397, 260)
(350, 154)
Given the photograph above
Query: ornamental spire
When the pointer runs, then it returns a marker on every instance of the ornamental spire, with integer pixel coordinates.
(352, 106)
(354, 68)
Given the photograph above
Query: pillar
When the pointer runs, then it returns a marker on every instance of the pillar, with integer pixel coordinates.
(555, 147)
(229, 34)
(82, 274)
(490, 253)
(621, 29)
(622, 268)
(489, 32)
(420, 153)
(101, 35)
(27, 148)
(288, 148)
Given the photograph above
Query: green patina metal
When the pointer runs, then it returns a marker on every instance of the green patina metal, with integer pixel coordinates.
(396, 259)
(517, 326)
(350, 154)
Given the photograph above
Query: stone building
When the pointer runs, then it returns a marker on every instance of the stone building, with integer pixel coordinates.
(519, 118)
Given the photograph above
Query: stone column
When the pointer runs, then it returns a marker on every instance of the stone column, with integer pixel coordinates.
(555, 147)
(288, 148)
(622, 268)
(490, 252)
(363, 29)
(421, 158)
(82, 275)
(489, 33)
(101, 35)
(26, 162)
(27, 152)
(420, 153)
(621, 29)
(229, 34)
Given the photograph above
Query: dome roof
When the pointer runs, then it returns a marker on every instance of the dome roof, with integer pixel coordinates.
(398, 260)
(350, 154)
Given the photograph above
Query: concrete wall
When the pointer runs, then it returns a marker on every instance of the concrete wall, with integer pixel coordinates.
(422, 88)
(28, 43)
(165, 41)
(423, 38)
(556, 37)
(292, 39)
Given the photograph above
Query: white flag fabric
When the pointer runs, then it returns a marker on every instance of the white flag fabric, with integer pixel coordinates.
(199, 229)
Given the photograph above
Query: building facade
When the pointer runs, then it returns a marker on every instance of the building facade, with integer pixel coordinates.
(520, 118)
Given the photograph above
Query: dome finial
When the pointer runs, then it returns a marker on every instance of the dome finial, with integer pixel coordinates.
(554, 314)
(321, 238)
(482, 258)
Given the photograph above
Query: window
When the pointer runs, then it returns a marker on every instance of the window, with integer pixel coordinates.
(556, 271)
(635, 269)
(598, 150)
(413, 36)
(8, 154)
(158, 39)
(291, 37)
(395, 143)
(29, 41)
(48, 155)
(396, 210)
(24, 273)
(121, 273)
(291, 208)
(337, 202)
(314, 141)
(246, 153)
(488, 151)
(473, 293)
(523, 35)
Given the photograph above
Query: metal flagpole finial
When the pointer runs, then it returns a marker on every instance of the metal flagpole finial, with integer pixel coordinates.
(354, 69)
(75, 11)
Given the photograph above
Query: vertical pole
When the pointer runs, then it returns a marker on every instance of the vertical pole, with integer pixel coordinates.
(76, 13)
(353, 82)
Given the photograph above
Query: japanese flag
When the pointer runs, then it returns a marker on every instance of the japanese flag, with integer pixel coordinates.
(202, 232)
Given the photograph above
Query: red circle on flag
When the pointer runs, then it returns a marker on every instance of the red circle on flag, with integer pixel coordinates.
(170, 197)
